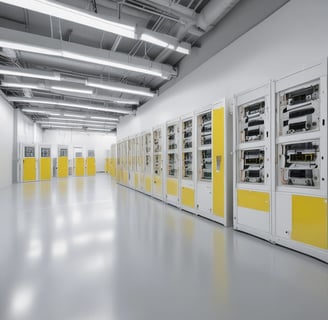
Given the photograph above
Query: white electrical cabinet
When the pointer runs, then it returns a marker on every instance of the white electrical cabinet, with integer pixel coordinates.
(204, 162)
(214, 158)
(187, 160)
(28, 163)
(172, 171)
(301, 220)
(131, 162)
(253, 162)
(147, 162)
(45, 162)
(158, 148)
(139, 175)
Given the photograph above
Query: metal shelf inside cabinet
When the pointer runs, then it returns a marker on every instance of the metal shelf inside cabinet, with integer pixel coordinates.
(205, 147)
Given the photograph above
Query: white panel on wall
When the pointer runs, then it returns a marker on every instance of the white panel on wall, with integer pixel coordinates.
(278, 46)
(27, 130)
(6, 142)
(99, 142)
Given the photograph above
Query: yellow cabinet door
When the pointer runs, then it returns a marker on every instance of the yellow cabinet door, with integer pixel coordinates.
(91, 166)
(172, 187)
(62, 167)
(29, 169)
(310, 221)
(45, 168)
(79, 167)
(188, 197)
(218, 164)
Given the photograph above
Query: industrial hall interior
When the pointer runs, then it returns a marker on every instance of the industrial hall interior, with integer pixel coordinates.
(163, 159)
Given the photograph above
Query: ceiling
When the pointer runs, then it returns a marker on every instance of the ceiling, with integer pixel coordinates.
(75, 70)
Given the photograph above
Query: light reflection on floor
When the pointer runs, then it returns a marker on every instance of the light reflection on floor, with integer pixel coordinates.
(87, 249)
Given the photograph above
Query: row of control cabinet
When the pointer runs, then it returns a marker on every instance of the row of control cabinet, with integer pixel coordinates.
(184, 162)
(36, 162)
(280, 161)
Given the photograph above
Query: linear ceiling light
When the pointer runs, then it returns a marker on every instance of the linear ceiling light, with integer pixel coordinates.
(18, 85)
(68, 89)
(24, 41)
(111, 123)
(72, 90)
(112, 86)
(30, 73)
(74, 115)
(72, 124)
(104, 118)
(70, 13)
(65, 104)
(41, 112)
(109, 63)
(95, 129)
(60, 127)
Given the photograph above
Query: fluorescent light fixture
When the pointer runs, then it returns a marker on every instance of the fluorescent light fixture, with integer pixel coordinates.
(41, 112)
(69, 13)
(72, 90)
(59, 127)
(104, 118)
(80, 57)
(95, 129)
(65, 103)
(73, 115)
(162, 43)
(112, 123)
(19, 85)
(67, 89)
(148, 38)
(109, 63)
(29, 73)
(119, 88)
(183, 50)
(73, 124)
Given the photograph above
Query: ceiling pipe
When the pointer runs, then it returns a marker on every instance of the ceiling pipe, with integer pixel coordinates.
(28, 42)
(95, 21)
(67, 103)
(213, 12)
(66, 89)
(59, 78)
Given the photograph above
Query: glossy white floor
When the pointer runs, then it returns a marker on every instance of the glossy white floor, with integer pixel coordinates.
(85, 248)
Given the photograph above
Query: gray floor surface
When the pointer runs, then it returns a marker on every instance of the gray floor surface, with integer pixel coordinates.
(86, 248)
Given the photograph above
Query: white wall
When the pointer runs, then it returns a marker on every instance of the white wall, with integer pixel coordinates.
(293, 38)
(99, 142)
(27, 130)
(6, 142)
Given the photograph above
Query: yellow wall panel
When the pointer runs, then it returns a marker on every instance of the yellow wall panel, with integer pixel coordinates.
(253, 200)
(309, 220)
(148, 184)
(218, 161)
(136, 180)
(45, 168)
(29, 169)
(172, 187)
(62, 167)
(188, 197)
(125, 177)
(91, 166)
(79, 167)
